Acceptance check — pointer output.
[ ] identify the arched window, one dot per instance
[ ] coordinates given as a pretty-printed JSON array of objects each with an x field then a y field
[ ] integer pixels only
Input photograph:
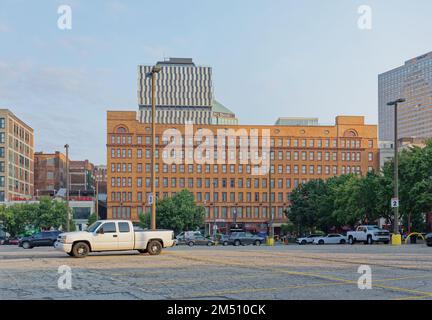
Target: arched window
[
  {"x": 121, "y": 129},
  {"x": 350, "y": 133}
]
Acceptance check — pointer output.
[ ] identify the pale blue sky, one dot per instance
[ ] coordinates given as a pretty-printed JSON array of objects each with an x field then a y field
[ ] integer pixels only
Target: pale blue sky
[{"x": 270, "y": 58}]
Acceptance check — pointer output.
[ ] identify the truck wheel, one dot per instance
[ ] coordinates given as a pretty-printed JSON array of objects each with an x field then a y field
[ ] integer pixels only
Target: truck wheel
[
  {"x": 142, "y": 251},
  {"x": 191, "y": 244},
  {"x": 225, "y": 243},
  {"x": 80, "y": 250},
  {"x": 369, "y": 240},
  {"x": 237, "y": 243},
  {"x": 154, "y": 248},
  {"x": 351, "y": 240}
]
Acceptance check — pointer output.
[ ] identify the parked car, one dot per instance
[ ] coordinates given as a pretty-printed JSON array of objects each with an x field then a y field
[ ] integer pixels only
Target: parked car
[
  {"x": 243, "y": 238},
  {"x": 199, "y": 241},
  {"x": 11, "y": 241},
  {"x": 114, "y": 235},
  {"x": 308, "y": 239},
  {"x": 429, "y": 239},
  {"x": 40, "y": 239},
  {"x": 332, "y": 238},
  {"x": 188, "y": 235},
  {"x": 368, "y": 234}
]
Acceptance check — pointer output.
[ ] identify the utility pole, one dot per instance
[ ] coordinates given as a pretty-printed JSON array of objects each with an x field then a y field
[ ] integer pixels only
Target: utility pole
[
  {"x": 67, "y": 187},
  {"x": 271, "y": 231},
  {"x": 396, "y": 171},
  {"x": 155, "y": 70},
  {"x": 97, "y": 198}
]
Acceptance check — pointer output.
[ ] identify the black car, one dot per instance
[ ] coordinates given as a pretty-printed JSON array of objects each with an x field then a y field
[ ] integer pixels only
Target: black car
[
  {"x": 243, "y": 238},
  {"x": 429, "y": 239},
  {"x": 41, "y": 239}
]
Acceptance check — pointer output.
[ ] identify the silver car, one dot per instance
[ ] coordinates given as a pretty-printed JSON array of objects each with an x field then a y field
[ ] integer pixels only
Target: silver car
[
  {"x": 308, "y": 239},
  {"x": 332, "y": 238}
]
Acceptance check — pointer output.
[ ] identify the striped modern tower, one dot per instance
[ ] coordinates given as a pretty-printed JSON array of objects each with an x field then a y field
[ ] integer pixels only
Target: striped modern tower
[{"x": 184, "y": 92}]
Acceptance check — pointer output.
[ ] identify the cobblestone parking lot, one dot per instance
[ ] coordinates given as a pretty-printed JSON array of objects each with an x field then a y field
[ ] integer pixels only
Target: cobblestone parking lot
[{"x": 280, "y": 272}]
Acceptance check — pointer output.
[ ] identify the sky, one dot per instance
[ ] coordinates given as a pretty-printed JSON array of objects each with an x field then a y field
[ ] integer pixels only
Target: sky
[{"x": 270, "y": 59}]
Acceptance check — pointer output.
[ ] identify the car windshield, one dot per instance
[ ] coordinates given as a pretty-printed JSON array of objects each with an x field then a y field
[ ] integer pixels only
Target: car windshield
[{"x": 93, "y": 226}]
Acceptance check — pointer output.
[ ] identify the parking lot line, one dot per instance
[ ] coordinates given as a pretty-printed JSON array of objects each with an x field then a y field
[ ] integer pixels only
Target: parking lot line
[{"x": 336, "y": 280}]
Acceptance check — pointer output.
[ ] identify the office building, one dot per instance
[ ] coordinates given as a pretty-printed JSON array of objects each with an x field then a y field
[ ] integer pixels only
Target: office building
[
  {"x": 413, "y": 82},
  {"x": 81, "y": 178},
  {"x": 16, "y": 158},
  {"x": 50, "y": 173},
  {"x": 296, "y": 121},
  {"x": 184, "y": 93},
  {"x": 231, "y": 191}
]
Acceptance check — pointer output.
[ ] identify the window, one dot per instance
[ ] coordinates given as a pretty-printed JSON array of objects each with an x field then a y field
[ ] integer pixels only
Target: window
[
  {"x": 123, "y": 227},
  {"x": 109, "y": 227}
]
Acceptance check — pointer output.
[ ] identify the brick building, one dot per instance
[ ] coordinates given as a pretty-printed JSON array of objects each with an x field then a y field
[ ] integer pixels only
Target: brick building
[
  {"x": 50, "y": 173},
  {"x": 231, "y": 191},
  {"x": 100, "y": 177},
  {"x": 81, "y": 177},
  {"x": 16, "y": 158}
]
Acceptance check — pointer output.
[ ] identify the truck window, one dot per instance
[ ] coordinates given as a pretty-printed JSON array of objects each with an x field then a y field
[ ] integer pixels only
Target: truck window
[
  {"x": 124, "y": 227},
  {"x": 109, "y": 227}
]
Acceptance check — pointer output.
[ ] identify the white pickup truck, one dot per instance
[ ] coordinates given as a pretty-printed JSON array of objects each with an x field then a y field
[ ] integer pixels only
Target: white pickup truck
[
  {"x": 368, "y": 235},
  {"x": 114, "y": 235}
]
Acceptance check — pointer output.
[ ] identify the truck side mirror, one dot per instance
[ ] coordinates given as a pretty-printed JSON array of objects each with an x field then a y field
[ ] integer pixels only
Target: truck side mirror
[{"x": 100, "y": 231}]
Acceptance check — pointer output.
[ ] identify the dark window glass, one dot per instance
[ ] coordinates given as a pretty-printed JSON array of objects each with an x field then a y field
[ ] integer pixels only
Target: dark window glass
[
  {"x": 124, "y": 227},
  {"x": 109, "y": 227}
]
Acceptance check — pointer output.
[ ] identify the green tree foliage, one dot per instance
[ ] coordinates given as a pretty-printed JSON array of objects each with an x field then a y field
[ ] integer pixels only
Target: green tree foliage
[
  {"x": 348, "y": 200},
  {"x": 179, "y": 213},
  {"x": 46, "y": 214},
  {"x": 92, "y": 219}
]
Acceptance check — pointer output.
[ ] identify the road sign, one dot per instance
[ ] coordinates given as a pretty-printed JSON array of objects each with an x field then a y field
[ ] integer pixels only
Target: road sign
[
  {"x": 150, "y": 198},
  {"x": 394, "y": 202}
]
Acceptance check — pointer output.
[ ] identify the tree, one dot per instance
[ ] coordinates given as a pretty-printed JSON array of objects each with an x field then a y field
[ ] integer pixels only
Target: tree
[
  {"x": 14, "y": 219},
  {"x": 92, "y": 219},
  {"x": 179, "y": 213},
  {"x": 49, "y": 214}
]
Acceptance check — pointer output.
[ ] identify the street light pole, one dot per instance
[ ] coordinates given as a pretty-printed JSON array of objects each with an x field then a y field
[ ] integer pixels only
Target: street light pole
[
  {"x": 67, "y": 187},
  {"x": 271, "y": 231},
  {"x": 155, "y": 70},
  {"x": 396, "y": 164}
]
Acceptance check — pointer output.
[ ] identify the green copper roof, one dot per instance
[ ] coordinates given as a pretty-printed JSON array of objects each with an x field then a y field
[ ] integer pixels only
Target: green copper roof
[{"x": 219, "y": 107}]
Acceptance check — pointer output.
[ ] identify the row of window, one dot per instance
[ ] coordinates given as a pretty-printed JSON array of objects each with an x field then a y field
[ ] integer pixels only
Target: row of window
[
  {"x": 191, "y": 183},
  {"x": 127, "y": 181},
  {"x": 241, "y": 155},
  {"x": 248, "y": 212},
  {"x": 231, "y": 141}
]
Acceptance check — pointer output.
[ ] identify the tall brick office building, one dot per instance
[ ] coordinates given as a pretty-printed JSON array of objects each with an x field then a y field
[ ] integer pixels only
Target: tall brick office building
[{"x": 231, "y": 191}]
